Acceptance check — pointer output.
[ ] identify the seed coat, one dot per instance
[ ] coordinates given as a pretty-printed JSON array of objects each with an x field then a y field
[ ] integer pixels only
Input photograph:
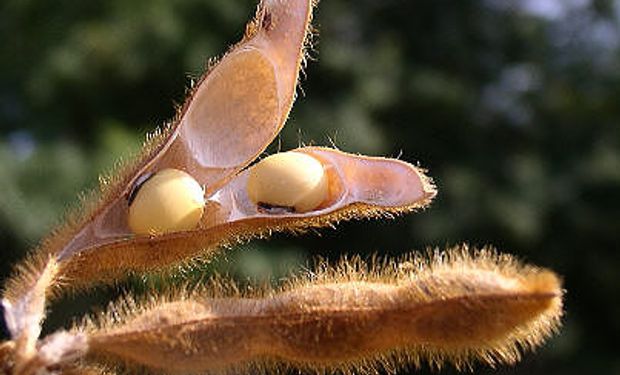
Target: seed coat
[
  {"x": 169, "y": 201},
  {"x": 288, "y": 179}
]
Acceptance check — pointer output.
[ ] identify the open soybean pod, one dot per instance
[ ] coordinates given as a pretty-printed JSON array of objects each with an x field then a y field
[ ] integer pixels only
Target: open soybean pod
[
  {"x": 188, "y": 193},
  {"x": 357, "y": 186}
]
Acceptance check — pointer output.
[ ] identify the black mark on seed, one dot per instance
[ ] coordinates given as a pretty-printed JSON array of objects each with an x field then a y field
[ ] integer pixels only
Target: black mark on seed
[
  {"x": 271, "y": 209},
  {"x": 136, "y": 187}
]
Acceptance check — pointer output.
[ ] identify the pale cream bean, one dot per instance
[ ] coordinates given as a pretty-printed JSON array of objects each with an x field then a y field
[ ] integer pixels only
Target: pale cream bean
[
  {"x": 171, "y": 200},
  {"x": 290, "y": 180}
]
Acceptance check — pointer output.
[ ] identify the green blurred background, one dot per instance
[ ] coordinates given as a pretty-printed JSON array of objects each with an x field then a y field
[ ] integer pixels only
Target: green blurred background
[{"x": 511, "y": 105}]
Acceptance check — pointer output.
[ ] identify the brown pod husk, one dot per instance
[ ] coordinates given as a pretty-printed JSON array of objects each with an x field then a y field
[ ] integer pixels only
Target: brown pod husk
[{"x": 456, "y": 308}]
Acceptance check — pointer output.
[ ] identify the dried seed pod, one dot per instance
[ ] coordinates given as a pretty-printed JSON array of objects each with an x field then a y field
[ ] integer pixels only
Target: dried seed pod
[
  {"x": 288, "y": 179},
  {"x": 458, "y": 307},
  {"x": 169, "y": 201}
]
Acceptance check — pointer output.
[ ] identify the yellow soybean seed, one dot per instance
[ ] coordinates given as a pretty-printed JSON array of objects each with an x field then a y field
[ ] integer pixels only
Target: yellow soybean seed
[
  {"x": 169, "y": 201},
  {"x": 290, "y": 180}
]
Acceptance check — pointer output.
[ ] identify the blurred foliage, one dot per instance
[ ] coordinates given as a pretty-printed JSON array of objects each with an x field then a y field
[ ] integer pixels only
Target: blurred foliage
[{"x": 512, "y": 105}]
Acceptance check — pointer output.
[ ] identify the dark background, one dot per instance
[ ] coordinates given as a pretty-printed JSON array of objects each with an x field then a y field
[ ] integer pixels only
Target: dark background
[{"x": 512, "y": 105}]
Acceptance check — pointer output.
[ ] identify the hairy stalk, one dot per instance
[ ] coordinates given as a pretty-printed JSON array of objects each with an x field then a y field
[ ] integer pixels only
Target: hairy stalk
[
  {"x": 24, "y": 308},
  {"x": 455, "y": 309}
]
